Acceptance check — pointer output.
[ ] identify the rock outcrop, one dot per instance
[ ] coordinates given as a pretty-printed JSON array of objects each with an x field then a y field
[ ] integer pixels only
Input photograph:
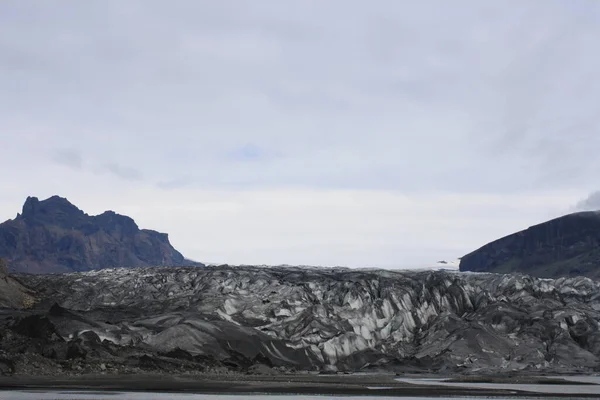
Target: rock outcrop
[
  {"x": 565, "y": 246},
  {"x": 53, "y": 235},
  {"x": 13, "y": 294},
  {"x": 315, "y": 319}
]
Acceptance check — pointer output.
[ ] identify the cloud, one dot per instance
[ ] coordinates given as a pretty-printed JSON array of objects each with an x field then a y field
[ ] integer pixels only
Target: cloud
[
  {"x": 248, "y": 152},
  {"x": 590, "y": 203},
  {"x": 74, "y": 160},
  {"x": 125, "y": 172},
  {"x": 69, "y": 158},
  {"x": 408, "y": 98},
  {"x": 177, "y": 183}
]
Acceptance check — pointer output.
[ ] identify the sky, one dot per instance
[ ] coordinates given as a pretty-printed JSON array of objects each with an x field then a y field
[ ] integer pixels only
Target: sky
[{"x": 386, "y": 133}]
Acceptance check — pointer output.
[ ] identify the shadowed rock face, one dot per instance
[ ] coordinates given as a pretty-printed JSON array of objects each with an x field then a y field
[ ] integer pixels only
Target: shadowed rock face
[
  {"x": 565, "y": 246},
  {"x": 334, "y": 319},
  {"x": 12, "y": 293},
  {"x": 55, "y": 236}
]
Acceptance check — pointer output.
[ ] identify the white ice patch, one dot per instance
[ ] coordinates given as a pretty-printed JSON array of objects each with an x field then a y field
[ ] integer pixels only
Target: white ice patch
[
  {"x": 230, "y": 306},
  {"x": 283, "y": 312},
  {"x": 226, "y": 317}
]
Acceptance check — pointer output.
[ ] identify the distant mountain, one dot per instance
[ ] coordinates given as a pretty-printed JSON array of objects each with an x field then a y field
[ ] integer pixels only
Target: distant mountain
[
  {"x": 565, "y": 246},
  {"x": 53, "y": 235}
]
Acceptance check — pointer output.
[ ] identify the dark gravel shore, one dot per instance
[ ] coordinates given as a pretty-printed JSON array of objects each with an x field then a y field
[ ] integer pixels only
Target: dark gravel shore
[{"x": 308, "y": 384}]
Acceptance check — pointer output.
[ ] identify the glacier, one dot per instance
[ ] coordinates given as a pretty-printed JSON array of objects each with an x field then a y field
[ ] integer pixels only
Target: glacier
[{"x": 323, "y": 319}]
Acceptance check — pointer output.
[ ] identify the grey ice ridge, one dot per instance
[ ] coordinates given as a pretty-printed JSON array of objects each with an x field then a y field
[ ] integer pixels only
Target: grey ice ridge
[{"x": 289, "y": 318}]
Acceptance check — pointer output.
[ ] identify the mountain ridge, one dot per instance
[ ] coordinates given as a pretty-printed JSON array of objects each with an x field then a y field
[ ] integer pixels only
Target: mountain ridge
[
  {"x": 53, "y": 235},
  {"x": 561, "y": 247}
]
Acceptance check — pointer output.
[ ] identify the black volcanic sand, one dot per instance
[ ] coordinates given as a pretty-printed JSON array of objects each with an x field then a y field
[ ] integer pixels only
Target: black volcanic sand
[{"x": 308, "y": 384}]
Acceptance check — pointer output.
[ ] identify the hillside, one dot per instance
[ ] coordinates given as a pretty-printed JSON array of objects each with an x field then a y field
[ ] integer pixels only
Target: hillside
[
  {"x": 53, "y": 235},
  {"x": 565, "y": 246}
]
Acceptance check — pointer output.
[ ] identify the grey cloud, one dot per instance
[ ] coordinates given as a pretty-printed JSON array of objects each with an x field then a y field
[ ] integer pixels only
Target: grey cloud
[
  {"x": 69, "y": 158},
  {"x": 176, "y": 183},
  {"x": 590, "y": 203},
  {"x": 125, "y": 172},
  {"x": 248, "y": 152},
  {"x": 475, "y": 96},
  {"x": 73, "y": 159},
  {"x": 412, "y": 97}
]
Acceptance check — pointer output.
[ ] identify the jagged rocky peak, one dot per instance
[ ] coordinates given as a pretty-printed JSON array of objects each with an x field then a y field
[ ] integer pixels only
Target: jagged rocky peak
[
  {"x": 53, "y": 235},
  {"x": 565, "y": 246},
  {"x": 55, "y": 209}
]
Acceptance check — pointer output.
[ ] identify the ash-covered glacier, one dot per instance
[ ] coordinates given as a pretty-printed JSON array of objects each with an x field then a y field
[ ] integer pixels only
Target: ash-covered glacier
[{"x": 318, "y": 319}]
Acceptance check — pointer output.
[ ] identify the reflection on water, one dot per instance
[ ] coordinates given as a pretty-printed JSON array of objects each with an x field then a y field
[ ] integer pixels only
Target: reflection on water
[
  {"x": 571, "y": 389},
  {"x": 94, "y": 395}
]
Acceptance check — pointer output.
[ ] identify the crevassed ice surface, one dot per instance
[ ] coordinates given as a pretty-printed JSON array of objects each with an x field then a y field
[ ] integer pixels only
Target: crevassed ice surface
[{"x": 315, "y": 318}]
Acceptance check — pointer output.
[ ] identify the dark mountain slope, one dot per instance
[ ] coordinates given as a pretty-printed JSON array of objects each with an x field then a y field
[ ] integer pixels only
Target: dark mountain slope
[
  {"x": 55, "y": 236},
  {"x": 565, "y": 246}
]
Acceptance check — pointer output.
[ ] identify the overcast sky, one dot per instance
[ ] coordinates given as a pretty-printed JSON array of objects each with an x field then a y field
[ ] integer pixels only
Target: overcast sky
[{"x": 330, "y": 132}]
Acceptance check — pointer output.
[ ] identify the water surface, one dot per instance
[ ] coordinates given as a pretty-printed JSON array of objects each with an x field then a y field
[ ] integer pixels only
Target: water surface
[
  {"x": 97, "y": 395},
  {"x": 568, "y": 388}
]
